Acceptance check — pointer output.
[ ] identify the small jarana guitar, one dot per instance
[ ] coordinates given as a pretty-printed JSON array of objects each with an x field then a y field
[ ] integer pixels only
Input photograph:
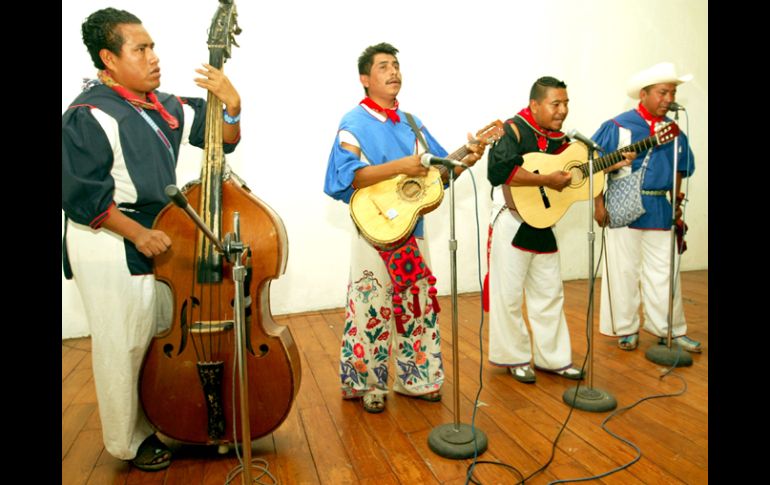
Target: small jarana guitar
[
  {"x": 387, "y": 211},
  {"x": 541, "y": 206}
]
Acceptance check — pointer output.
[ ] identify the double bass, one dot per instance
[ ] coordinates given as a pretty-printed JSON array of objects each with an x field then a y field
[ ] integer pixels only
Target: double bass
[{"x": 186, "y": 385}]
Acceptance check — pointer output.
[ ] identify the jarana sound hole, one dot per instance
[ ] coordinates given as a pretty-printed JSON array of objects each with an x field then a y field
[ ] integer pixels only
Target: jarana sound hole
[{"x": 411, "y": 189}]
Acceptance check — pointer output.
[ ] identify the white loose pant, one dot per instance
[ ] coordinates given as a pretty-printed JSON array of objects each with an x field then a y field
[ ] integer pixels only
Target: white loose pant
[
  {"x": 122, "y": 313},
  {"x": 512, "y": 273},
  {"x": 635, "y": 270}
]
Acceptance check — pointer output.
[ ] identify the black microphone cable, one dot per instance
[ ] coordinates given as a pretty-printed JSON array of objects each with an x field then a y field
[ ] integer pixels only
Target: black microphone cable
[
  {"x": 472, "y": 466},
  {"x": 469, "y": 475}
]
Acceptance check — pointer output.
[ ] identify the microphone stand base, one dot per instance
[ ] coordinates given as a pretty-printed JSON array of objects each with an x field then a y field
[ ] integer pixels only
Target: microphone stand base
[
  {"x": 675, "y": 356},
  {"x": 457, "y": 443},
  {"x": 590, "y": 399}
]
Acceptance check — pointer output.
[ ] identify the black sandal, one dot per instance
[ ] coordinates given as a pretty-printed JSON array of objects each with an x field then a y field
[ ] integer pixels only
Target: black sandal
[{"x": 153, "y": 455}]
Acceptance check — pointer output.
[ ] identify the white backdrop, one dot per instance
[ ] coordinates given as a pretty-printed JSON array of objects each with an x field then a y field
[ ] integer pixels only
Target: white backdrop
[{"x": 464, "y": 64}]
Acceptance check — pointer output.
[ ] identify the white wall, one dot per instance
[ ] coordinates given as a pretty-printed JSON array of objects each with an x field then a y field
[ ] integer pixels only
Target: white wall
[{"x": 464, "y": 64}]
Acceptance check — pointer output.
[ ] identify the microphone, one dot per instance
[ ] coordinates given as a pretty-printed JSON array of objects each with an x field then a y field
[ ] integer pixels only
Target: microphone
[
  {"x": 427, "y": 160},
  {"x": 580, "y": 137},
  {"x": 674, "y": 106},
  {"x": 176, "y": 196}
]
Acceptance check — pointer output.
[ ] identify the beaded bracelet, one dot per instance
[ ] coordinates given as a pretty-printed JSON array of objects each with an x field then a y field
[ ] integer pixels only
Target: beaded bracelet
[{"x": 231, "y": 120}]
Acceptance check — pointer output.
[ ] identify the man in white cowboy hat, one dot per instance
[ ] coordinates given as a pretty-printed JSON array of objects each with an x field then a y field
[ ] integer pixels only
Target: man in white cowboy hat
[{"x": 639, "y": 255}]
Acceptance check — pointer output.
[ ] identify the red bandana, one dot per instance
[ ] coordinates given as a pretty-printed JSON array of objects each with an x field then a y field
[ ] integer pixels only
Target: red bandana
[
  {"x": 647, "y": 116},
  {"x": 153, "y": 104},
  {"x": 542, "y": 134},
  {"x": 390, "y": 113}
]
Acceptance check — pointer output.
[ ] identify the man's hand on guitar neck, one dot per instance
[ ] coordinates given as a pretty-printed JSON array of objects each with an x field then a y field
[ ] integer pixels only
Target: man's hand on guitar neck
[
  {"x": 628, "y": 158},
  {"x": 476, "y": 150}
]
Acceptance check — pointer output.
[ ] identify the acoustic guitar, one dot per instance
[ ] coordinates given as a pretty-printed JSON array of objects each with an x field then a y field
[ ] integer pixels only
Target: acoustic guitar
[
  {"x": 386, "y": 212},
  {"x": 541, "y": 206}
]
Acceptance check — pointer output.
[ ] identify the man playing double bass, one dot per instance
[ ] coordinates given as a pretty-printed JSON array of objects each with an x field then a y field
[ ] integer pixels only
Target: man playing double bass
[{"x": 120, "y": 145}]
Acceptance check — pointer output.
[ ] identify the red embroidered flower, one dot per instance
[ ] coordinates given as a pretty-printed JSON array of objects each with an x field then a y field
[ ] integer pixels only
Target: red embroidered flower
[
  {"x": 417, "y": 331},
  {"x": 353, "y": 331},
  {"x": 416, "y": 345},
  {"x": 373, "y": 322},
  {"x": 384, "y": 335},
  {"x": 360, "y": 366},
  {"x": 419, "y": 358},
  {"x": 385, "y": 313},
  {"x": 358, "y": 349}
]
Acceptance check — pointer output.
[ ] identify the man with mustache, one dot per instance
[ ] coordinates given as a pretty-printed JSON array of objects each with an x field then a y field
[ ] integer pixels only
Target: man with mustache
[
  {"x": 638, "y": 257},
  {"x": 120, "y": 143},
  {"x": 523, "y": 258},
  {"x": 376, "y": 142}
]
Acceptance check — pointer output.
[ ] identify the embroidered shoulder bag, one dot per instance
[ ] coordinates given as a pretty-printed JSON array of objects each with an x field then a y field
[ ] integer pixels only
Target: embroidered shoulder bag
[{"x": 623, "y": 199}]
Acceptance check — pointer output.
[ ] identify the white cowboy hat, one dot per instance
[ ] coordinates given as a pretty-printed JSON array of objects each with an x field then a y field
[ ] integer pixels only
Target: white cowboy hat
[{"x": 664, "y": 72}]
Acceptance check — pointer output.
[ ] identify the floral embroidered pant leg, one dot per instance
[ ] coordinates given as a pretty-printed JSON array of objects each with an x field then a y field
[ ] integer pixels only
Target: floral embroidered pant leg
[{"x": 370, "y": 332}]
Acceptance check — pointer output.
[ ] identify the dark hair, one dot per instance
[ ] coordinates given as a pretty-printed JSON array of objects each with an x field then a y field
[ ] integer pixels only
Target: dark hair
[
  {"x": 367, "y": 56},
  {"x": 541, "y": 86},
  {"x": 100, "y": 32}
]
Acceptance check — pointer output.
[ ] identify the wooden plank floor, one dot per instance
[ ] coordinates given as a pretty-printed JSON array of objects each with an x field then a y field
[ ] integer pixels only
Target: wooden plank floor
[{"x": 326, "y": 440}]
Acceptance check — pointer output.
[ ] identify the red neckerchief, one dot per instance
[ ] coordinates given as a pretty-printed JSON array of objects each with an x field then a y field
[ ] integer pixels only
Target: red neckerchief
[
  {"x": 647, "y": 116},
  {"x": 390, "y": 113},
  {"x": 153, "y": 103},
  {"x": 542, "y": 134}
]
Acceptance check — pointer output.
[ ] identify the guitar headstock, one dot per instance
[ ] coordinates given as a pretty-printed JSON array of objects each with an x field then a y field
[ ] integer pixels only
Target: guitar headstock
[
  {"x": 490, "y": 133},
  {"x": 224, "y": 28},
  {"x": 667, "y": 133}
]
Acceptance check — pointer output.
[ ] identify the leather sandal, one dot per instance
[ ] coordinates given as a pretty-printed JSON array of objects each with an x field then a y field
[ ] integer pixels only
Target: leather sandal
[
  {"x": 523, "y": 373},
  {"x": 685, "y": 342},
  {"x": 629, "y": 342},
  {"x": 570, "y": 372},
  {"x": 153, "y": 455},
  {"x": 374, "y": 402}
]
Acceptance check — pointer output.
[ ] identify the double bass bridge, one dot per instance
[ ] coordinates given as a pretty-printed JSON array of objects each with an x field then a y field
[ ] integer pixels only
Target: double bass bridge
[{"x": 213, "y": 326}]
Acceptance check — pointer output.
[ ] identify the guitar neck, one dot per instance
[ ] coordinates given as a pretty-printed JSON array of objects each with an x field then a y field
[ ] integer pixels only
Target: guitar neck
[
  {"x": 461, "y": 152},
  {"x": 616, "y": 156}
]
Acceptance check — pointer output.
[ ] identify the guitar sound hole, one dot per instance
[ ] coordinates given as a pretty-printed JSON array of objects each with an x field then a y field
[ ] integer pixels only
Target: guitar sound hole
[
  {"x": 577, "y": 176},
  {"x": 411, "y": 189}
]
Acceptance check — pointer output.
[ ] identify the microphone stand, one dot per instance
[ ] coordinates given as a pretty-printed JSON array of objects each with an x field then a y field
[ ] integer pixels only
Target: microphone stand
[
  {"x": 663, "y": 354},
  {"x": 455, "y": 440},
  {"x": 589, "y": 398},
  {"x": 232, "y": 247}
]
